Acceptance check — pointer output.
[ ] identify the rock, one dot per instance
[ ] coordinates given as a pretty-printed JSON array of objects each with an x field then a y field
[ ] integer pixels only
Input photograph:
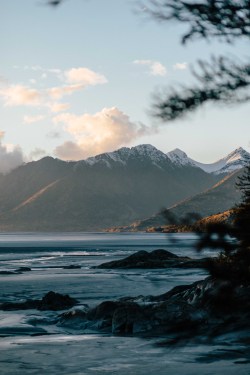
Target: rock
[
  {"x": 103, "y": 311},
  {"x": 75, "y": 319},
  {"x": 56, "y": 301},
  {"x": 7, "y": 273},
  {"x": 72, "y": 267},
  {"x": 51, "y": 301},
  {"x": 155, "y": 259},
  {"x": 26, "y": 305},
  {"x": 129, "y": 318},
  {"x": 204, "y": 307}
]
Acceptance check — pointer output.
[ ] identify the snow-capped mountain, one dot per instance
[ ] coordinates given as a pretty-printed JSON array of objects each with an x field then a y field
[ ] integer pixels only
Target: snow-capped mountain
[
  {"x": 110, "y": 189},
  {"x": 179, "y": 157},
  {"x": 125, "y": 155},
  {"x": 235, "y": 160}
]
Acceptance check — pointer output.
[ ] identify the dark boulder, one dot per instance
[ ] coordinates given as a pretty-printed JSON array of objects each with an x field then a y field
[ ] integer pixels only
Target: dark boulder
[
  {"x": 7, "y": 273},
  {"x": 75, "y": 319},
  {"x": 56, "y": 301},
  {"x": 26, "y": 305},
  {"x": 51, "y": 301}
]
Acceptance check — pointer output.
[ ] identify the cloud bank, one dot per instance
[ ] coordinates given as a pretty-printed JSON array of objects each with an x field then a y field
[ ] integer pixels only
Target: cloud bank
[
  {"x": 72, "y": 80},
  {"x": 94, "y": 134}
]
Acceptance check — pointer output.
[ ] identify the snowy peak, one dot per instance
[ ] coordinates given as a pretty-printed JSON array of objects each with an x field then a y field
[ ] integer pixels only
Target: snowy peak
[
  {"x": 237, "y": 155},
  {"x": 145, "y": 152},
  {"x": 179, "y": 157},
  {"x": 150, "y": 152},
  {"x": 235, "y": 160}
]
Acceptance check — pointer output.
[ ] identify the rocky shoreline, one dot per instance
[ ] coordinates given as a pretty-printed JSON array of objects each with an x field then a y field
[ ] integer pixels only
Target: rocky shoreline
[{"x": 206, "y": 308}]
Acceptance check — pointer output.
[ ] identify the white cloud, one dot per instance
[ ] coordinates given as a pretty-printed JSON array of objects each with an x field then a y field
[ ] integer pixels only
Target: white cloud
[
  {"x": 93, "y": 134},
  {"x": 11, "y": 156},
  {"x": 15, "y": 95},
  {"x": 180, "y": 66},
  {"x": 58, "y": 107},
  {"x": 84, "y": 76},
  {"x": 31, "y": 119},
  {"x": 60, "y": 91},
  {"x": 156, "y": 68},
  {"x": 77, "y": 79}
]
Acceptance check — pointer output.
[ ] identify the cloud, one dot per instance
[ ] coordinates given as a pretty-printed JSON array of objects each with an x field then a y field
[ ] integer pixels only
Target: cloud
[
  {"x": 70, "y": 151},
  {"x": 15, "y": 95},
  {"x": 58, "y": 107},
  {"x": 94, "y": 134},
  {"x": 156, "y": 68},
  {"x": 84, "y": 76},
  {"x": 10, "y": 156},
  {"x": 31, "y": 119},
  {"x": 180, "y": 66},
  {"x": 37, "y": 153},
  {"x": 60, "y": 91},
  {"x": 75, "y": 79}
]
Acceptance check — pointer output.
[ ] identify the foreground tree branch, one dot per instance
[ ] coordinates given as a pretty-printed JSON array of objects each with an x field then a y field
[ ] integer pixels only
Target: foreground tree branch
[
  {"x": 218, "y": 81},
  {"x": 226, "y": 19}
]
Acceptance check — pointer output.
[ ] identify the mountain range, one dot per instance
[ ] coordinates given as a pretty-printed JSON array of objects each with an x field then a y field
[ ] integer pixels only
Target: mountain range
[
  {"x": 111, "y": 189},
  {"x": 233, "y": 161}
]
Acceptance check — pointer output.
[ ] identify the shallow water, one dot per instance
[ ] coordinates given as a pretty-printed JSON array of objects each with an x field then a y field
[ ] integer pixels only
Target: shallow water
[{"x": 31, "y": 344}]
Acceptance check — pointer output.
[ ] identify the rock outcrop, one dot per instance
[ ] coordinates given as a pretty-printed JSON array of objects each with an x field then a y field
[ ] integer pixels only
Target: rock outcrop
[
  {"x": 51, "y": 301},
  {"x": 209, "y": 306},
  {"x": 155, "y": 259}
]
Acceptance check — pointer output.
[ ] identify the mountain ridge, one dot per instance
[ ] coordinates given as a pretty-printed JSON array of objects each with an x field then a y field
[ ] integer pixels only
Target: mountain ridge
[
  {"x": 234, "y": 160},
  {"x": 92, "y": 195},
  {"x": 107, "y": 190},
  {"x": 216, "y": 200}
]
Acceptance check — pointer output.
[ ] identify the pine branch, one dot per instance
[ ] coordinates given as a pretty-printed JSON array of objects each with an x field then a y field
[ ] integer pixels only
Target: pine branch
[
  {"x": 224, "y": 19},
  {"x": 218, "y": 81}
]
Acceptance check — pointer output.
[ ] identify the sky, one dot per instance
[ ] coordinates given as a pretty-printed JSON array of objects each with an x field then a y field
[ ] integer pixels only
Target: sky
[{"x": 78, "y": 79}]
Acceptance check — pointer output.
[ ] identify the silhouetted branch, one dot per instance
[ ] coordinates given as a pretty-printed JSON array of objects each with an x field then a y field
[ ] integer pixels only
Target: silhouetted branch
[
  {"x": 224, "y": 19},
  {"x": 220, "y": 80}
]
